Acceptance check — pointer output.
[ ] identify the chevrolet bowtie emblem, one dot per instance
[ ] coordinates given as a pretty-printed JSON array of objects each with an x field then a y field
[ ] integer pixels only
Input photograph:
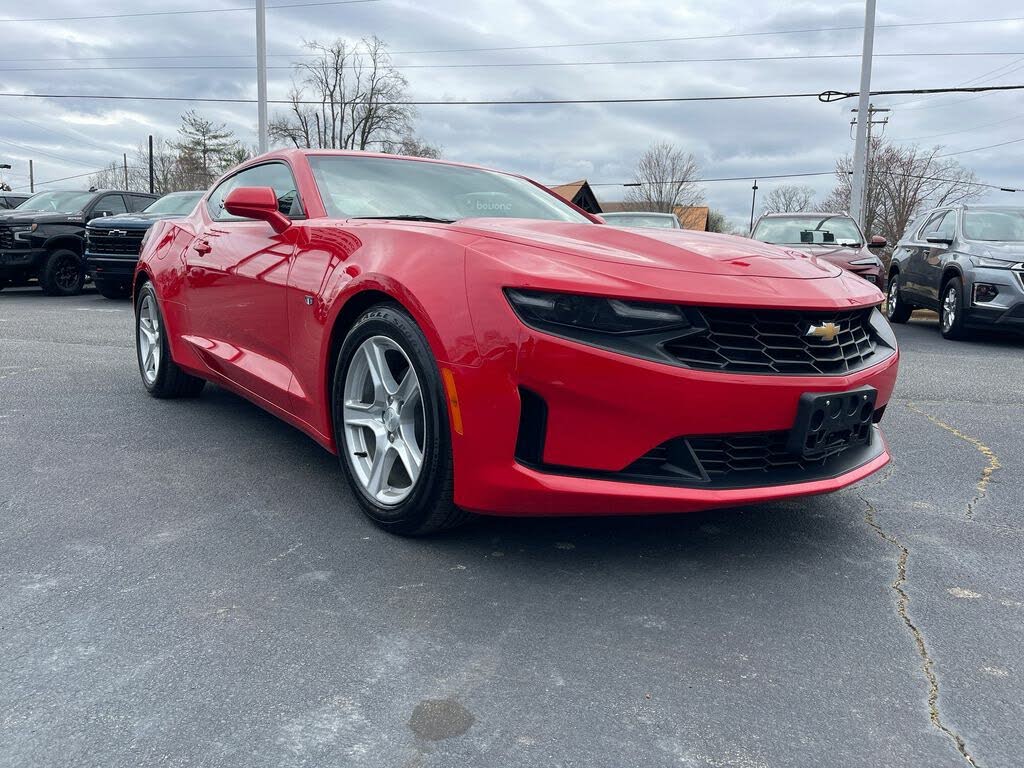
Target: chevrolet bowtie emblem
[{"x": 826, "y": 331}]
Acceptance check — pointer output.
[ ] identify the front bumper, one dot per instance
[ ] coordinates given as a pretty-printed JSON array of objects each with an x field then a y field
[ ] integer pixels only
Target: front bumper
[
  {"x": 1006, "y": 311},
  {"x": 604, "y": 411},
  {"x": 18, "y": 263},
  {"x": 111, "y": 268}
]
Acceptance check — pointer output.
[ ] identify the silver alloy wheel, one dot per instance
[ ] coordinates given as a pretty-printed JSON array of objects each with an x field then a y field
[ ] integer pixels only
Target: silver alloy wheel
[
  {"x": 949, "y": 302},
  {"x": 149, "y": 338},
  {"x": 894, "y": 296},
  {"x": 385, "y": 428}
]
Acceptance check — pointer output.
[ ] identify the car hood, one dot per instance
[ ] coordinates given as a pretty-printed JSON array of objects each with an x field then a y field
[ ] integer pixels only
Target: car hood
[
  {"x": 678, "y": 250},
  {"x": 837, "y": 254},
  {"x": 129, "y": 220},
  {"x": 1010, "y": 252},
  {"x": 27, "y": 217}
]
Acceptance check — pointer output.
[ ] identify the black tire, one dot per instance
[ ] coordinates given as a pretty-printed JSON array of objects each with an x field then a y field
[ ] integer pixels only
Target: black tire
[
  {"x": 169, "y": 380},
  {"x": 63, "y": 273},
  {"x": 896, "y": 309},
  {"x": 951, "y": 318},
  {"x": 429, "y": 506},
  {"x": 111, "y": 289}
]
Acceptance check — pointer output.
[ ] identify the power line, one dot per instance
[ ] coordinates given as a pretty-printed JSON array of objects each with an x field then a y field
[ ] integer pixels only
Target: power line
[
  {"x": 535, "y": 64},
  {"x": 979, "y": 149},
  {"x": 1015, "y": 118},
  {"x": 37, "y": 151},
  {"x": 57, "y": 133},
  {"x": 190, "y": 12},
  {"x": 824, "y": 96}
]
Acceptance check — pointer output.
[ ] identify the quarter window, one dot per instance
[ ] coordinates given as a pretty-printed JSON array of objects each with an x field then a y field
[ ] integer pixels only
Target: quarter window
[
  {"x": 111, "y": 204},
  {"x": 277, "y": 176}
]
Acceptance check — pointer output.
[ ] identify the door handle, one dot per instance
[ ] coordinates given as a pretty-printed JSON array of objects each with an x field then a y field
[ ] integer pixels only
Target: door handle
[{"x": 202, "y": 247}]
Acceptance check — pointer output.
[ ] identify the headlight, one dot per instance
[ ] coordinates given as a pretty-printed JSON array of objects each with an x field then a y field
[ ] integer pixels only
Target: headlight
[
  {"x": 981, "y": 261},
  {"x": 867, "y": 261},
  {"x": 22, "y": 232},
  {"x": 567, "y": 312}
]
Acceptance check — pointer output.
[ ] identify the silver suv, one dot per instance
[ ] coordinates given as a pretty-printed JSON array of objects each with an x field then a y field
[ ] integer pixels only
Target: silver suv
[{"x": 967, "y": 263}]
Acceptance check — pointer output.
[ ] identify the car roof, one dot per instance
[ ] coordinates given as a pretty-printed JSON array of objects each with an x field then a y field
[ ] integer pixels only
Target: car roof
[
  {"x": 638, "y": 213},
  {"x": 807, "y": 215}
]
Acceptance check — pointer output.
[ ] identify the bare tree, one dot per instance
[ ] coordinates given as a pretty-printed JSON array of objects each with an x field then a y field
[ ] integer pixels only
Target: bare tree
[
  {"x": 717, "y": 222},
  {"x": 789, "y": 198},
  {"x": 666, "y": 177},
  {"x": 903, "y": 181},
  {"x": 349, "y": 97},
  {"x": 412, "y": 146}
]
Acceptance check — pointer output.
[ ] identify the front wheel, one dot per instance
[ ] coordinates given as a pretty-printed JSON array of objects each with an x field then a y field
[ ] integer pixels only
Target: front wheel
[
  {"x": 896, "y": 309},
  {"x": 951, "y": 310},
  {"x": 62, "y": 273},
  {"x": 161, "y": 376},
  {"x": 391, "y": 425}
]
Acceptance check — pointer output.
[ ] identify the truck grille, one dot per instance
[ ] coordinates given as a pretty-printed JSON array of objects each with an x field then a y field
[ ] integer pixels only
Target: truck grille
[
  {"x": 777, "y": 342},
  {"x": 6, "y": 237},
  {"x": 103, "y": 242}
]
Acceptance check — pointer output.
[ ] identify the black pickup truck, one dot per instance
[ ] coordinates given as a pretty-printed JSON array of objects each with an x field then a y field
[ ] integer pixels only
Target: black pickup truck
[
  {"x": 44, "y": 238},
  {"x": 112, "y": 243}
]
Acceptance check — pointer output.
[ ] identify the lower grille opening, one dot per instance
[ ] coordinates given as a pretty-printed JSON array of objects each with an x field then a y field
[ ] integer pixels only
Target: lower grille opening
[{"x": 533, "y": 424}]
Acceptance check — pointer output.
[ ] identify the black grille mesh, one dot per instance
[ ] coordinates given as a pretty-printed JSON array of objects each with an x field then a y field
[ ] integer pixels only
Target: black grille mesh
[
  {"x": 776, "y": 341},
  {"x": 128, "y": 244},
  {"x": 6, "y": 237},
  {"x": 761, "y": 452}
]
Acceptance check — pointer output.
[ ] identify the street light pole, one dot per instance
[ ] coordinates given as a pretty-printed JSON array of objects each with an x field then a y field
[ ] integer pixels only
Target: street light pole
[
  {"x": 261, "y": 72},
  {"x": 860, "y": 155}
]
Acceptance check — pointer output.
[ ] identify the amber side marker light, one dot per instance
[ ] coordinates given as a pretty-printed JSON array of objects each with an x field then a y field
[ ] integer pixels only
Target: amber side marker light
[{"x": 453, "y": 398}]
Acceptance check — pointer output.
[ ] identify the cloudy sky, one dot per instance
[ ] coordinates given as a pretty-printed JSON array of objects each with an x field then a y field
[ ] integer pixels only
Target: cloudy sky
[{"x": 212, "y": 55}]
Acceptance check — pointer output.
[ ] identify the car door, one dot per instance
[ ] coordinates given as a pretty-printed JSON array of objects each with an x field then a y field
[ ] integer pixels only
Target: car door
[
  {"x": 941, "y": 226},
  {"x": 236, "y": 273}
]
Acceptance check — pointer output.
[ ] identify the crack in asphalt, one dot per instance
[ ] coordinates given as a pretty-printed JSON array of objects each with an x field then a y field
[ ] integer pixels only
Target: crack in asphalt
[
  {"x": 984, "y": 450},
  {"x": 927, "y": 663}
]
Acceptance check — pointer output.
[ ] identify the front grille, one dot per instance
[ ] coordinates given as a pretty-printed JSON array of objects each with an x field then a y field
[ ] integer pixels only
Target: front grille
[
  {"x": 754, "y": 453},
  {"x": 6, "y": 237},
  {"x": 101, "y": 242},
  {"x": 777, "y": 342}
]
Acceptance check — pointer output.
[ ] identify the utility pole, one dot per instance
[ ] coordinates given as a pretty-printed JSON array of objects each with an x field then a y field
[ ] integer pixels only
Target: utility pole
[
  {"x": 150, "y": 163},
  {"x": 860, "y": 148},
  {"x": 31, "y": 178},
  {"x": 872, "y": 111},
  {"x": 753, "y": 202},
  {"x": 125, "y": 158},
  {"x": 261, "y": 72}
]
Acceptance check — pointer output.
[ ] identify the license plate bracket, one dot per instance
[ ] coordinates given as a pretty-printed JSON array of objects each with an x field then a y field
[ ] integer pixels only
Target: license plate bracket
[{"x": 830, "y": 422}]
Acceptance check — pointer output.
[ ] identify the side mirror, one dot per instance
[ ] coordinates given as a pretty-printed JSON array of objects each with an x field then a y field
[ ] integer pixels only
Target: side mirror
[
  {"x": 258, "y": 203},
  {"x": 102, "y": 214},
  {"x": 935, "y": 237},
  {"x": 877, "y": 241}
]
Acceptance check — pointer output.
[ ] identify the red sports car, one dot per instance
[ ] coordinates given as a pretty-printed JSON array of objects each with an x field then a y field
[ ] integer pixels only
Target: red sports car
[{"x": 466, "y": 341}]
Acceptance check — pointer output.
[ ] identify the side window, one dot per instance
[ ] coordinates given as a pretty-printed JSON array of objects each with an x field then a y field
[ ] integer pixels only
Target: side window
[
  {"x": 942, "y": 223},
  {"x": 138, "y": 202},
  {"x": 111, "y": 204},
  {"x": 277, "y": 176}
]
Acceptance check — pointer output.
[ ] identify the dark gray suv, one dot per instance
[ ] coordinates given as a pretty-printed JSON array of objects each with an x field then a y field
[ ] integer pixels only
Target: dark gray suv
[{"x": 967, "y": 263}]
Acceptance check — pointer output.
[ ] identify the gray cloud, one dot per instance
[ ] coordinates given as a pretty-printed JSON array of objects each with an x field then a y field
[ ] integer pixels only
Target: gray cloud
[{"x": 552, "y": 144}]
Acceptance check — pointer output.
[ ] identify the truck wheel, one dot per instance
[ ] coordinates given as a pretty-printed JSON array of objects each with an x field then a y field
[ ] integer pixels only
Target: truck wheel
[
  {"x": 896, "y": 309},
  {"x": 951, "y": 312},
  {"x": 62, "y": 273},
  {"x": 112, "y": 289}
]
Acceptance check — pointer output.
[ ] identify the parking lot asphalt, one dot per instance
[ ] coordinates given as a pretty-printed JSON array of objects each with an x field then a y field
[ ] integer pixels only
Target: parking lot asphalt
[{"x": 189, "y": 583}]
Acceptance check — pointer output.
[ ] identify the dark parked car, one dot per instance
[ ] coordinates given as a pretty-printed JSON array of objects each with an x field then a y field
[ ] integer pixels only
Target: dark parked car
[
  {"x": 112, "y": 243},
  {"x": 966, "y": 263},
  {"x": 642, "y": 219},
  {"x": 11, "y": 200},
  {"x": 834, "y": 237},
  {"x": 44, "y": 238}
]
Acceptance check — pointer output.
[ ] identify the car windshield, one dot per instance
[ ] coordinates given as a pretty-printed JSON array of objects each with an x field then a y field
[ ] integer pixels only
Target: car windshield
[
  {"x": 354, "y": 187},
  {"x": 57, "y": 202},
  {"x": 995, "y": 225},
  {"x": 808, "y": 230},
  {"x": 176, "y": 203},
  {"x": 641, "y": 220}
]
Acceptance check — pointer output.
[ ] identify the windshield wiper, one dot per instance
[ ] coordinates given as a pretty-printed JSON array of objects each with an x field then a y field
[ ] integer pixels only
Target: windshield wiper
[{"x": 410, "y": 217}]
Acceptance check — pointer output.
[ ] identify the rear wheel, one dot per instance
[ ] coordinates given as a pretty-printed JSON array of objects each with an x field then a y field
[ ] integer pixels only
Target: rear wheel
[
  {"x": 896, "y": 309},
  {"x": 62, "y": 273},
  {"x": 391, "y": 425},
  {"x": 951, "y": 310},
  {"x": 161, "y": 376},
  {"x": 112, "y": 289}
]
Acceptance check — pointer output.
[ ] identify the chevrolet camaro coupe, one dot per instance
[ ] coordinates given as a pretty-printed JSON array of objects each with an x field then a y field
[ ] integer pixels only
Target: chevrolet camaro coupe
[{"x": 466, "y": 341}]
